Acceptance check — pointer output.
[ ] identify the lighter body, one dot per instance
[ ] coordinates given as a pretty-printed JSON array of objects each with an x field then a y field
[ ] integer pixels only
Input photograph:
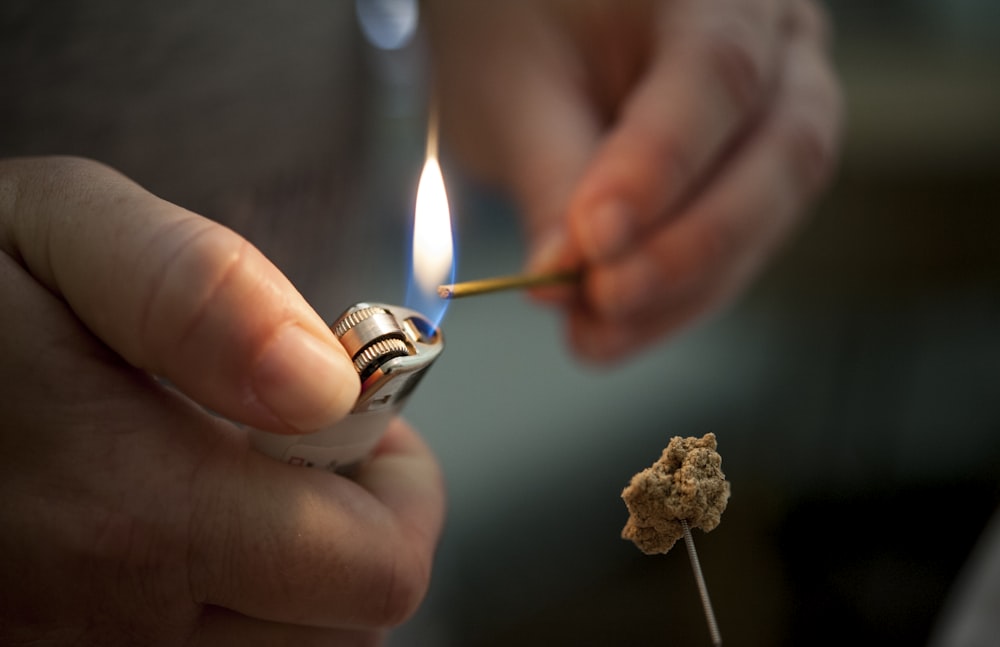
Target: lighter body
[{"x": 391, "y": 347}]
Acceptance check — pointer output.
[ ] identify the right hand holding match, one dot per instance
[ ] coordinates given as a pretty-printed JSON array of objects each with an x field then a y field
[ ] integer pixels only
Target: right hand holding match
[
  {"x": 131, "y": 515},
  {"x": 665, "y": 147}
]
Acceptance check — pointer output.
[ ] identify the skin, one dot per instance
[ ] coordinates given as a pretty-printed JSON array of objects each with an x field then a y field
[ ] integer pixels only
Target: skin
[
  {"x": 140, "y": 517},
  {"x": 665, "y": 150}
]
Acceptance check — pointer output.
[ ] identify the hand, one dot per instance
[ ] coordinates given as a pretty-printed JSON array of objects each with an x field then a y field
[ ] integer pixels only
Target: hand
[
  {"x": 130, "y": 514},
  {"x": 665, "y": 148}
]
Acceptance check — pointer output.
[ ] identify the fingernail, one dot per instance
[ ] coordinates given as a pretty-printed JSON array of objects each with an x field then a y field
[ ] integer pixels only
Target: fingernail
[
  {"x": 304, "y": 381},
  {"x": 608, "y": 231}
]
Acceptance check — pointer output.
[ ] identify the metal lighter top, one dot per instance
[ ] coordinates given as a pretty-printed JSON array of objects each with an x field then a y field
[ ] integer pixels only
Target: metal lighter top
[{"x": 391, "y": 347}]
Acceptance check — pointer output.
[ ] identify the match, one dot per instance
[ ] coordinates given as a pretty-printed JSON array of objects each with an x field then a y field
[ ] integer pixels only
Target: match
[{"x": 501, "y": 283}]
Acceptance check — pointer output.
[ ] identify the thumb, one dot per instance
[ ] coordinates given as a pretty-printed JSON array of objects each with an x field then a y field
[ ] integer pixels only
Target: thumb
[{"x": 175, "y": 294}]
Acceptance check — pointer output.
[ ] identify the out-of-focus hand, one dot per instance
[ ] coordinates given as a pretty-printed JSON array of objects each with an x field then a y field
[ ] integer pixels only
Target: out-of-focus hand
[
  {"x": 130, "y": 515},
  {"x": 665, "y": 147}
]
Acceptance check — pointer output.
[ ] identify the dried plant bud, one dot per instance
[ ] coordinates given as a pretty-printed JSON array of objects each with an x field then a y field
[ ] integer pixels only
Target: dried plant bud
[{"x": 685, "y": 483}]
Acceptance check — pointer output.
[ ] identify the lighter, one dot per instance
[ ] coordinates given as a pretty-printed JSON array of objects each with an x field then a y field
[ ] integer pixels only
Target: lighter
[{"x": 391, "y": 347}]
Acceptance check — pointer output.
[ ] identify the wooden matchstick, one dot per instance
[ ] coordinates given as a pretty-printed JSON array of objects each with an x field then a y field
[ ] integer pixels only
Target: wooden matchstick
[{"x": 497, "y": 284}]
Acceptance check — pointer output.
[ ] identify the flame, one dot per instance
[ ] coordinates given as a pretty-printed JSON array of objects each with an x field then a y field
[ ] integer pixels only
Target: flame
[{"x": 433, "y": 243}]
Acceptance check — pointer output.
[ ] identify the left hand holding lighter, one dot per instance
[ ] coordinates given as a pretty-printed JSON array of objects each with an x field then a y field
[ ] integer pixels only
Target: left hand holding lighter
[{"x": 131, "y": 514}]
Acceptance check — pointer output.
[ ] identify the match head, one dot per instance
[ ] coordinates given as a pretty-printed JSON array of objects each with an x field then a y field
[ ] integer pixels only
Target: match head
[{"x": 445, "y": 291}]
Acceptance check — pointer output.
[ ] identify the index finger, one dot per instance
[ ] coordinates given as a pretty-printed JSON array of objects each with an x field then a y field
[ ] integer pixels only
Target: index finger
[{"x": 712, "y": 67}]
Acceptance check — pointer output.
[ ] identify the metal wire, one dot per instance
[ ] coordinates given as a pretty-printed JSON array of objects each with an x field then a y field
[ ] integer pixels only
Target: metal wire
[{"x": 706, "y": 603}]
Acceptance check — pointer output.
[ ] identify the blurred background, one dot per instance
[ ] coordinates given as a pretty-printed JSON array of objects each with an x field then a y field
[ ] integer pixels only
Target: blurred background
[
  {"x": 854, "y": 390},
  {"x": 855, "y": 393}
]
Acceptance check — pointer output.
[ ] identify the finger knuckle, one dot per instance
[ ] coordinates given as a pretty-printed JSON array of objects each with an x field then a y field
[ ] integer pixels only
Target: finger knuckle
[
  {"x": 214, "y": 538},
  {"x": 809, "y": 150},
  {"x": 737, "y": 63},
  {"x": 812, "y": 19},
  {"x": 199, "y": 263},
  {"x": 404, "y": 589},
  {"x": 33, "y": 186},
  {"x": 72, "y": 170},
  {"x": 693, "y": 254},
  {"x": 810, "y": 131},
  {"x": 673, "y": 159},
  {"x": 738, "y": 50}
]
